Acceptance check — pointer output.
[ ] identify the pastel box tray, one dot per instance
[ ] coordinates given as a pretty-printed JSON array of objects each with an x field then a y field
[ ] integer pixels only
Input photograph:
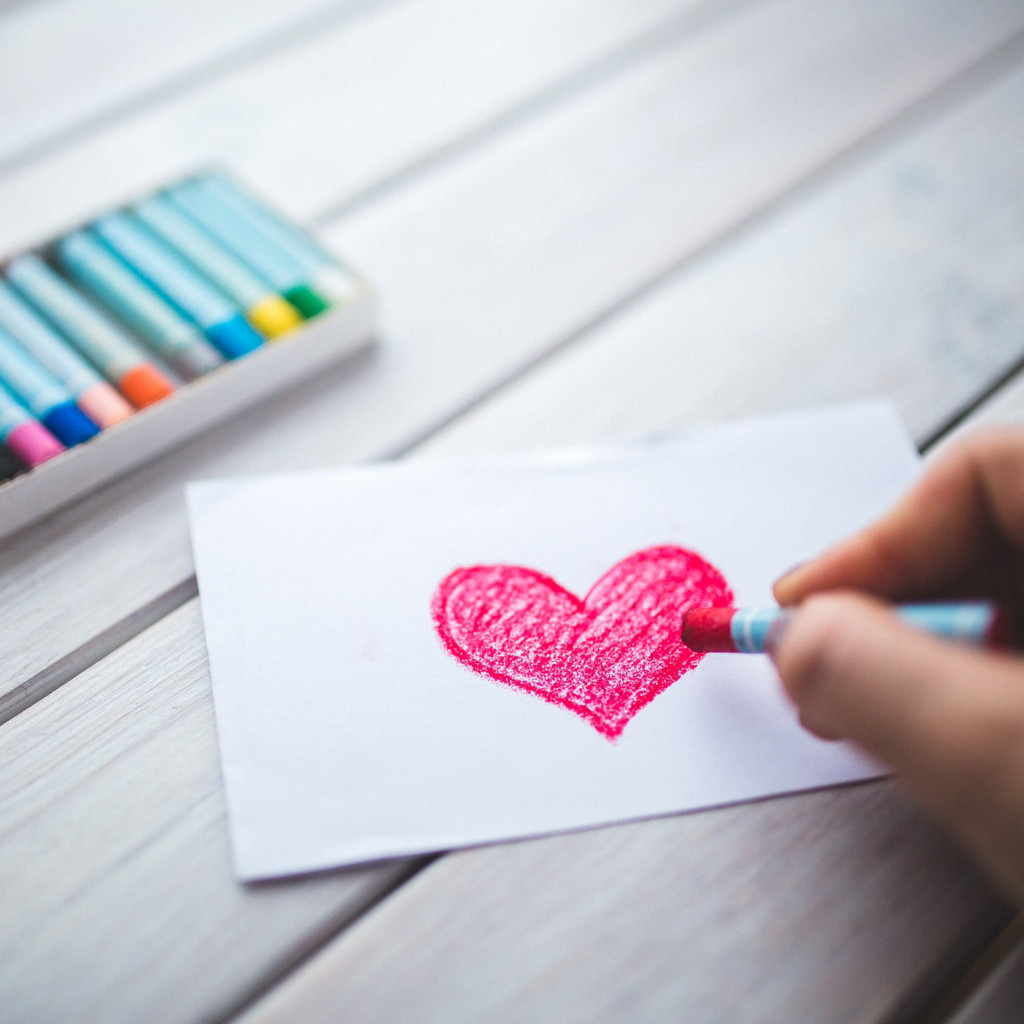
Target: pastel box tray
[{"x": 339, "y": 333}]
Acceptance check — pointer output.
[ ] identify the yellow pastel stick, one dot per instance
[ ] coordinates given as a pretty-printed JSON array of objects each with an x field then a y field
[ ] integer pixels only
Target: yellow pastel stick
[{"x": 273, "y": 316}]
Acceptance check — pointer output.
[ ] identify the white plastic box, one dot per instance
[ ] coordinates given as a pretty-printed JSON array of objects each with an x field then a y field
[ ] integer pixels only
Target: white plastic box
[{"x": 337, "y": 334}]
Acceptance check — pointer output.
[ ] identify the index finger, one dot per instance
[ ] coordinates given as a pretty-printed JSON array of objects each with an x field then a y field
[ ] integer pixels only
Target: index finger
[{"x": 965, "y": 513}]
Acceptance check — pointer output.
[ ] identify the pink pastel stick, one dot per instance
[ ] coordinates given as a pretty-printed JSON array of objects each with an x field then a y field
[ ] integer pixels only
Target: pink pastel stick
[{"x": 33, "y": 443}]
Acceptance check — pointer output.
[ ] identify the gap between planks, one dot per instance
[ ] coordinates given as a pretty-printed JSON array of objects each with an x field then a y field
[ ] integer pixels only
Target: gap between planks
[
  {"x": 407, "y": 871},
  {"x": 75, "y": 662},
  {"x": 685, "y": 25},
  {"x": 998, "y": 387},
  {"x": 951, "y": 1004},
  {"x": 190, "y": 79},
  {"x": 971, "y": 80},
  {"x": 669, "y": 29}
]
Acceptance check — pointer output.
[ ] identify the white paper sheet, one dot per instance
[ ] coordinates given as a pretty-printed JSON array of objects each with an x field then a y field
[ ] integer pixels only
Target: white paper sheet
[{"x": 348, "y": 733}]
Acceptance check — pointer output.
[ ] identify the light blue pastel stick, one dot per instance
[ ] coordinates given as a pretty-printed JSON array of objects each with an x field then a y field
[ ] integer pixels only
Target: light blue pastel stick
[
  {"x": 276, "y": 265},
  {"x": 328, "y": 275},
  {"x": 94, "y": 395},
  {"x": 104, "y": 344},
  {"x": 101, "y": 274},
  {"x": 166, "y": 271},
  {"x": 43, "y": 342},
  {"x": 37, "y": 389},
  {"x": 971, "y": 622},
  {"x": 975, "y": 622},
  {"x": 42, "y": 394},
  {"x": 12, "y": 413},
  {"x": 184, "y": 287},
  {"x": 750, "y": 628},
  {"x": 162, "y": 217}
]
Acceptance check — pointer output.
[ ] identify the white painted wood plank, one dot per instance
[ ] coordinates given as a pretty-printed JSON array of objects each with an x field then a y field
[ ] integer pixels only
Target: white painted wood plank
[
  {"x": 333, "y": 114},
  {"x": 828, "y": 908},
  {"x": 65, "y": 62},
  {"x": 905, "y": 278},
  {"x": 118, "y": 901},
  {"x": 488, "y": 265},
  {"x": 1000, "y": 999}
]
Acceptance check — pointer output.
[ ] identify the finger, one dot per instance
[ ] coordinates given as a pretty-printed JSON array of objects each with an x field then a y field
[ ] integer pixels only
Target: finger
[
  {"x": 949, "y": 719},
  {"x": 967, "y": 510}
]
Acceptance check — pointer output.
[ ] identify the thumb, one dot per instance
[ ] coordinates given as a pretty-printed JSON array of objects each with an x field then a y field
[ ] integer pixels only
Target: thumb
[{"x": 949, "y": 718}]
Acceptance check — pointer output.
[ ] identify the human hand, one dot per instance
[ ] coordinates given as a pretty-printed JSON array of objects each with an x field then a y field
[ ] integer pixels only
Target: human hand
[{"x": 949, "y": 719}]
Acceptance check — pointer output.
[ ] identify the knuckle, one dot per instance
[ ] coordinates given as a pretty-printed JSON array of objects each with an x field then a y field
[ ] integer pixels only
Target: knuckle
[{"x": 814, "y": 649}]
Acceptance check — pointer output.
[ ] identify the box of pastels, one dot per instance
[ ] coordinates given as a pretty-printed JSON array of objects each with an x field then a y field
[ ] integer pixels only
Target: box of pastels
[{"x": 146, "y": 325}]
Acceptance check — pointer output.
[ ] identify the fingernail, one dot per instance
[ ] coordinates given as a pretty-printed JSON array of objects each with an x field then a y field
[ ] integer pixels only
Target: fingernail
[
  {"x": 792, "y": 569},
  {"x": 787, "y": 575}
]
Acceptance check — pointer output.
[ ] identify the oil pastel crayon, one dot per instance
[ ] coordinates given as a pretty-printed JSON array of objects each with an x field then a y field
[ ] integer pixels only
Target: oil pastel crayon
[
  {"x": 271, "y": 314},
  {"x": 285, "y": 274},
  {"x": 92, "y": 394},
  {"x": 328, "y": 276},
  {"x": 96, "y": 337},
  {"x": 43, "y": 395},
  {"x": 187, "y": 290},
  {"x": 98, "y": 272},
  {"x": 10, "y": 465},
  {"x": 23, "y": 434},
  {"x": 753, "y": 630}
]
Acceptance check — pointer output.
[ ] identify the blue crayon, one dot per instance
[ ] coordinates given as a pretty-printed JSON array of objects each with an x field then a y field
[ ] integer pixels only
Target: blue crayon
[
  {"x": 100, "y": 273},
  {"x": 188, "y": 291},
  {"x": 753, "y": 630},
  {"x": 287, "y": 275},
  {"x": 43, "y": 395},
  {"x": 326, "y": 273}
]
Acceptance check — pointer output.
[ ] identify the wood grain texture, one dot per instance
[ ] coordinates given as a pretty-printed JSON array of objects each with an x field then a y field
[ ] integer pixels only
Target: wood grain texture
[
  {"x": 833, "y": 907},
  {"x": 334, "y": 113},
  {"x": 118, "y": 900},
  {"x": 488, "y": 264},
  {"x": 68, "y": 64}
]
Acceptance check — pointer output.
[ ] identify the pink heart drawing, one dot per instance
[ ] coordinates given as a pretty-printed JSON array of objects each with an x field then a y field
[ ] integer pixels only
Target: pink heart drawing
[{"x": 604, "y": 657}]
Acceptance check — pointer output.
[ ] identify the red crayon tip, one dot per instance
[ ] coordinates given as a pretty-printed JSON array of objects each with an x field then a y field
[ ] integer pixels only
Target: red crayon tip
[{"x": 708, "y": 629}]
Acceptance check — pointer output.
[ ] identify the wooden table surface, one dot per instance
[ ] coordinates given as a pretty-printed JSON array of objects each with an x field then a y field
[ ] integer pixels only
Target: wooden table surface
[{"x": 588, "y": 220}]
